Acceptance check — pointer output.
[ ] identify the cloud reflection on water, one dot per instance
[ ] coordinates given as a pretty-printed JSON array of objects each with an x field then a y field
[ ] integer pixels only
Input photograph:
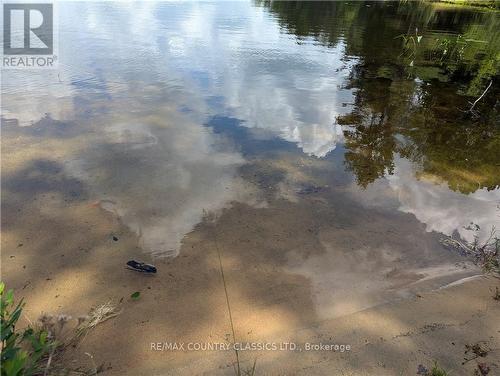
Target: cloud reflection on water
[
  {"x": 128, "y": 68},
  {"x": 441, "y": 209},
  {"x": 159, "y": 174}
]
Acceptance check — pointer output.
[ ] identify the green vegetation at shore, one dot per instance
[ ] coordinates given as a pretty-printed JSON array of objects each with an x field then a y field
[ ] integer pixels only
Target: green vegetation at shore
[
  {"x": 37, "y": 349},
  {"x": 24, "y": 352}
]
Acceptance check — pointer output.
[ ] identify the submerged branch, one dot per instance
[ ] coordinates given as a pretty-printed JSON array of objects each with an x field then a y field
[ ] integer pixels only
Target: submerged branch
[{"x": 482, "y": 95}]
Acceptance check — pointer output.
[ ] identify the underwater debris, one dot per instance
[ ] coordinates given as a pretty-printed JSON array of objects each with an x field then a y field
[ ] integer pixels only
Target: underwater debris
[{"x": 141, "y": 267}]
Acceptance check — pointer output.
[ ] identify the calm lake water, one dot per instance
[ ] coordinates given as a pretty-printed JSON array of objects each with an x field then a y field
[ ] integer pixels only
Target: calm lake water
[{"x": 340, "y": 127}]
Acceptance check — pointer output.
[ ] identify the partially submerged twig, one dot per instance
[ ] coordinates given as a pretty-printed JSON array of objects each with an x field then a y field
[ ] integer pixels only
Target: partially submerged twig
[
  {"x": 481, "y": 96},
  {"x": 485, "y": 253},
  {"x": 237, "y": 366}
]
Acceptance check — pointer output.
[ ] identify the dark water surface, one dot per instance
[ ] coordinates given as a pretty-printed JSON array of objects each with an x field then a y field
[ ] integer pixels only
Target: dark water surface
[{"x": 342, "y": 127}]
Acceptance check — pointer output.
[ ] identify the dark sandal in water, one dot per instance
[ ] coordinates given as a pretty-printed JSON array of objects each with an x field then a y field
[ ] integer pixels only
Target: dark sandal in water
[{"x": 141, "y": 267}]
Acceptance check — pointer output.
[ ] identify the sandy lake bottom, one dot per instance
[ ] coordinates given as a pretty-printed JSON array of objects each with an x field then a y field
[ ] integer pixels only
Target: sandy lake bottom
[{"x": 294, "y": 169}]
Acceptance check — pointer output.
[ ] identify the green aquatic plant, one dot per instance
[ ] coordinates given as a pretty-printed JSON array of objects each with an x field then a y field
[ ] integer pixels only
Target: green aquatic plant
[
  {"x": 410, "y": 46},
  {"x": 436, "y": 370}
]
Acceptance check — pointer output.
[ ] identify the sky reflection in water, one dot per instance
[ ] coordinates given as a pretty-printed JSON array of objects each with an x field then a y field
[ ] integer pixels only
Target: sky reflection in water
[{"x": 140, "y": 81}]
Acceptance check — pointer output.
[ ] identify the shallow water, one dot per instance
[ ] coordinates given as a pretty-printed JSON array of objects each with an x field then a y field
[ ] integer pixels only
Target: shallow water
[{"x": 308, "y": 130}]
